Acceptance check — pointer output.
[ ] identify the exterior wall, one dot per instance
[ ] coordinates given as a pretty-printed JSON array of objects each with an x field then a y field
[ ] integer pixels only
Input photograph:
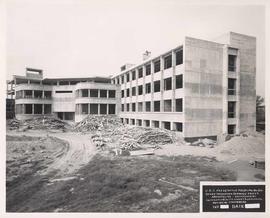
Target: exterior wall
[
  {"x": 63, "y": 102},
  {"x": 172, "y": 94},
  {"x": 31, "y": 100},
  {"x": 96, "y": 100},
  {"x": 203, "y": 88},
  {"x": 247, "y": 56}
]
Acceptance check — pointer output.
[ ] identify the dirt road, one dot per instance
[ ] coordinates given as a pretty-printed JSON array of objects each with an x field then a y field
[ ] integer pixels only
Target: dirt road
[{"x": 78, "y": 152}]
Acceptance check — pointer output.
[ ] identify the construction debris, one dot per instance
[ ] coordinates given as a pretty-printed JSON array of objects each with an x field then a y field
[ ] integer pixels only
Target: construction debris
[
  {"x": 109, "y": 129},
  {"x": 97, "y": 122},
  {"x": 13, "y": 124},
  {"x": 130, "y": 145},
  {"x": 204, "y": 143},
  {"x": 142, "y": 152},
  {"x": 155, "y": 136},
  {"x": 36, "y": 123}
]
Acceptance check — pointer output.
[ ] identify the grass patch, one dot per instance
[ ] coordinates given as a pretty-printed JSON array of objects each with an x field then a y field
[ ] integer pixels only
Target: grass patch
[{"x": 129, "y": 184}]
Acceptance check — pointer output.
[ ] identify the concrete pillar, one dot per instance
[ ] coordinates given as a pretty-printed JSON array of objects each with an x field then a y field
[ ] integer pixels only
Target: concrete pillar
[
  {"x": 161, "y": 83},
  {"x": 33, "y": 112},
  {"x": 136, "y": 96},
  {"x": 173, "y": 80},
  {"x": 107, "y": 108},
  {"x": 152, "y": 88},
  {"x": 43, "y": 109},
  {"x": 33, "y": 94},
  {"x": 143, "y": 85},
  {"x": 98, "y": 109},
  {"x": 28, "y": 81}
]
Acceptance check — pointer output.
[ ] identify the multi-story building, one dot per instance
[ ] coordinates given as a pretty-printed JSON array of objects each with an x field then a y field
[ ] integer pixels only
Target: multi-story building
[
  {"x": 200, "y": 89},
  {"x": 65, "y": 98}
]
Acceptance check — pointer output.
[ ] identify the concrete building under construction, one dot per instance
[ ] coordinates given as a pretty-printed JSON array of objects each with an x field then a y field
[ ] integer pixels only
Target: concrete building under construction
[{"x": 200, "y": 89}]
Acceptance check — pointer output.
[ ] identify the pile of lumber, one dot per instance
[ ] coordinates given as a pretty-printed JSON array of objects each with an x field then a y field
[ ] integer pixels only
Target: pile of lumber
[
  {"x": 95, "y": 122},
  {"x": 156, "y": 136},
  {"x": 130, "y": 145},
  {"x": 13, "y": 124},
  {"x": 38, "y": 123},
  {"x": 44, "y": 123},
  {"x": 98, "y": 141},
  {"x": 143, "y": 135}
]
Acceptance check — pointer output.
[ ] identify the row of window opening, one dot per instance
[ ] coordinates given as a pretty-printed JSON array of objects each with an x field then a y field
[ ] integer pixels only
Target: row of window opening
[{"x": 157, "y": 67}]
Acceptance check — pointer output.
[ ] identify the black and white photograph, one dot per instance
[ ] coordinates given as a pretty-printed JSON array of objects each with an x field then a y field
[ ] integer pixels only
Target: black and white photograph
[{"x": 134, "y": 107}]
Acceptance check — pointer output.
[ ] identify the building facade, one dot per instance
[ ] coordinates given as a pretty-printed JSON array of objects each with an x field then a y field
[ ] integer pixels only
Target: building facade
[
  {"x": 66, "y": 98},
  {"x": 199, "y": 89}
]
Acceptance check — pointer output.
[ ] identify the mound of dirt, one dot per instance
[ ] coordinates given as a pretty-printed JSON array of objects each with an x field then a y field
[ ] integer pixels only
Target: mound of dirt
[{"x": 244, "y": 145}]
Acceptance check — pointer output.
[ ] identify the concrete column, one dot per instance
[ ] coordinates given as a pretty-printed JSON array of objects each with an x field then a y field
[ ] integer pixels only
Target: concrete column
[
  {"x": 143, "y": 85},
  {"x": 237, "y": 128},
  {"x": 173, "y": 80},
  {"x": 28, "y": 81},
  {"x": 152, "y": 88},
  {"x": 33, "y": 94},
  {"x": 88, "y": 108},
  {"x": 136, "y": 96},
  {"x": 225, "y": 90},
  {"x": 107, "y": 108},
  {"x": 23, "y": 108},
  {"x": 33, "y": 109},
  {"x": 161, "y": 83},
  {"x": 98, "y": 109},
  {"x": 43, "y": 109}
]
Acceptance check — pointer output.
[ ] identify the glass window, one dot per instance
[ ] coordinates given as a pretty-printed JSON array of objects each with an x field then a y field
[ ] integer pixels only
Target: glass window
[
  {"x": 168, "y": 84},
  {"x": 168, "y": 62},
  {"x": 157, "y": 86},
  {"x": 140, "y": 72},
  {"x": 148, "y": 69},
  {"x": 179, "y": 57},
  {"x": 179, "y": 81},
  {"x": 156, "y": 66}
]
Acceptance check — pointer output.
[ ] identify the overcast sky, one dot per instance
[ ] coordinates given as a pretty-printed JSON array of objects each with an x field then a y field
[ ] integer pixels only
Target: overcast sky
[{"x": 69, "y": 38}]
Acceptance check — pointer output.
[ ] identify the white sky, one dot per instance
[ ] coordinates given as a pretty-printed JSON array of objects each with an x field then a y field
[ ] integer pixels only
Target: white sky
[{"x": 85, "y": 38}]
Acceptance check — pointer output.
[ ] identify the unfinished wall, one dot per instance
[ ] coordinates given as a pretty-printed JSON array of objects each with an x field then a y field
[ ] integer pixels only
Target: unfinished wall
[
  {"x": 203, "y": 85},
  {"x": 247, "y": 53}
]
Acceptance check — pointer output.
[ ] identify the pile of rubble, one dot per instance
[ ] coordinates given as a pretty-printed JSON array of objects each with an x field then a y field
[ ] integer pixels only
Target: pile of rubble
[
  {"x": 13, "y": 124},
  {"x": 108, "y": 129},
  {"x": 38, "y": 123},
  {"x": 133, "y": 137},
  {"x": 95, "y": 122},
  {"x": 204, "y": 143}
]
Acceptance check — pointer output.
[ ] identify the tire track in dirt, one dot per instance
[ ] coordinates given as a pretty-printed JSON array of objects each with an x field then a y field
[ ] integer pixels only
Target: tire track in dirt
[{"x": 79, "y": 153}]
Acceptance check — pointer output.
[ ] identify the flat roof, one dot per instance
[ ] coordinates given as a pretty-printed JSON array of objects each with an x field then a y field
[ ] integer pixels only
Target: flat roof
[{"x": 20, "y": 79}]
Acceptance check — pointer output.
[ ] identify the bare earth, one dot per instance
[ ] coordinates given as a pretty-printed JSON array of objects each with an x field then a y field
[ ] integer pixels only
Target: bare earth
[{"x": 78, "y": 151}]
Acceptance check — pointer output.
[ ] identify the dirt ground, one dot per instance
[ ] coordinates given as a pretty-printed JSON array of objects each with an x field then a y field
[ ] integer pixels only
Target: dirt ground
[{"x": 64, "y": 171}]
